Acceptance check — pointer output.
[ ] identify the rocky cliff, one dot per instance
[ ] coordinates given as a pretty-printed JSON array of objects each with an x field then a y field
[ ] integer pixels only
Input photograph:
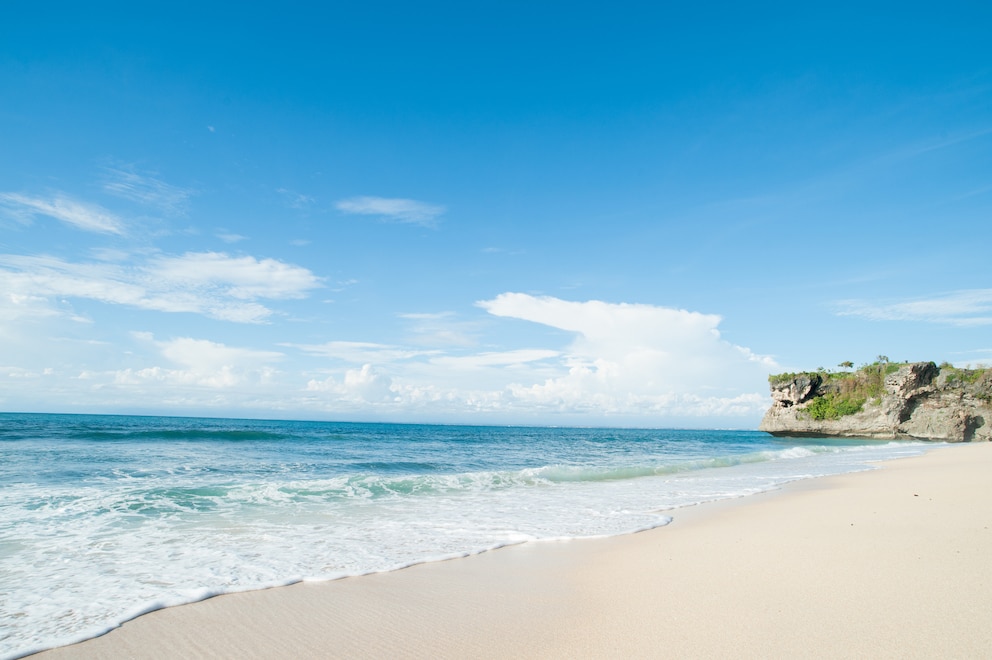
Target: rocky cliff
[{"x": 915, "y": 400}]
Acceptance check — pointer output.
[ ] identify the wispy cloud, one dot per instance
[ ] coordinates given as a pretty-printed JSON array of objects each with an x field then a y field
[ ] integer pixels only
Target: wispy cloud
[
  {"x": 408, "y": 211},
  {"x": 978, "y": 357},
  {"x": 938, "y": 143},
  {"x": 969, "y": 307},
  {"x": 498, "y": 250},
  {"x": 230, "y": 237},
  {"x": 146, "y": 190},
  {"x": 518, "y": 357},
  {"x": 296, "y": 200},
  {"x": 208, "y": 283},
  {"x": 88, "y": 217},
  {"x": 361, "y": 352},
  {"x": 442, "y": 329},
  {"x": 243, "y": 278}
]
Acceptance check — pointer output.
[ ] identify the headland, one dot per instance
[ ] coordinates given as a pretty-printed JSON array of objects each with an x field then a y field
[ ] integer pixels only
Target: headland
[{"x": 885, "y": 400}]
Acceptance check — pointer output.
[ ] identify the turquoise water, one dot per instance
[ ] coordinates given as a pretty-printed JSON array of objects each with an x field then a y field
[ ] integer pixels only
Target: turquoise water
[{"x": 105, "y": 517}]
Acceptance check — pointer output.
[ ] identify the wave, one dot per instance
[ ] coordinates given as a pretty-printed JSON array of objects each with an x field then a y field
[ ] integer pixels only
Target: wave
[
  {"x": 154, "y": 498},
  {"x": 571, "y": 473},
  {"x": 173, "y": 435}
]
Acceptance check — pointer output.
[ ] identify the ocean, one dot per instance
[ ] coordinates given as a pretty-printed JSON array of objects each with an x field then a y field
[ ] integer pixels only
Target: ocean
[{"x": 103, "y": 518}]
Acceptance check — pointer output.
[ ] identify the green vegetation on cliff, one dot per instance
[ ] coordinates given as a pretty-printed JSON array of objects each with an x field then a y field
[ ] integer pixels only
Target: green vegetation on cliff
[
  {"x": 834, "y": 406},
  {"x": 836, "y": 394},
  {"x": 964, "y": 376},
  {"x": 884, "y": 399}
]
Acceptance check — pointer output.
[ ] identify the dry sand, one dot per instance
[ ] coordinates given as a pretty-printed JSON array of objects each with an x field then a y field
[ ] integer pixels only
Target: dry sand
[{"x": 893, "y": 563}]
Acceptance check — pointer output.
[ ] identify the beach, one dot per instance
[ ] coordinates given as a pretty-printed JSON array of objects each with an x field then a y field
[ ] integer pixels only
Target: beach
[{"x": 892, "y": 562}]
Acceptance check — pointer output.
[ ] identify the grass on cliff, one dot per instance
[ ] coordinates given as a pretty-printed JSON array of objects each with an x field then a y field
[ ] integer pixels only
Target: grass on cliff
[
  {"x": 834, "y": 406},
  {"x": 963, "y": 376},
  {"x": 977, "y": 381},
  {"x": 844, "y": 392}
]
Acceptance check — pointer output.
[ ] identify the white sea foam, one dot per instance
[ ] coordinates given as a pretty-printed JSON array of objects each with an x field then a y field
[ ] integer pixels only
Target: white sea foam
[{"x": 77, "y": 559}]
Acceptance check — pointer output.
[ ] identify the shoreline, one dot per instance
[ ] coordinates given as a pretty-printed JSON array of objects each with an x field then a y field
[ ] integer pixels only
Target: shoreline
[{"x": 883, "y": 563}]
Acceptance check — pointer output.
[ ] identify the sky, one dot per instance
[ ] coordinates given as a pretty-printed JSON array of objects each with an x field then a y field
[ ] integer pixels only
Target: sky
[{"x": 621, "y": 214}]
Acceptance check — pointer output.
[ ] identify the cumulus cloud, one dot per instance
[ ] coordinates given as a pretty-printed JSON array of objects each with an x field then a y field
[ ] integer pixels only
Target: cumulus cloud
[
  {"x": 620, "y": 361},
  {"x": 202, "y": 363},
  {"x": 146, "y": 190},
  {"x": 209, "y": 283},
  {"x": 81, "y": 215},
  {"x": 408, "y": 211},
  {"x": 970, "y": 307},
  {"x": 631, "y": 357},
  {"x": 363, "y": 385},
  {"x": 610, "y": 363}
]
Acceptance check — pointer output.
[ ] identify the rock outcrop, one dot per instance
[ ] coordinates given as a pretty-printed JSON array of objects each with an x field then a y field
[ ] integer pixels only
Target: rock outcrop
[{"x": 917, "y": 400}]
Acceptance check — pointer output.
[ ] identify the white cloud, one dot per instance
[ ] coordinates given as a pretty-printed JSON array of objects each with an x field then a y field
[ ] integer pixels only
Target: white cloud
[
  {"x": 202, "y": 363},
  {"x": 612, "y": 364},
  {"x": 17, "y": 305},
  {"x": 230, "y": 237},
  {"x": 208, "y": 283},
  {"x": 146, "y": 190},
  {"x": 623, "y": 362},
  {"x": 398, "y": 210},
  {"x": 204, "y": 354},
  {"x": 342, "y": 285},
  {"x": 358, "y": 352},
  {"x": 88, "y": 217},
  {"x": 42, "y": 278},
  {"x": 513, "y": 358},
  {"x": 441, "y": 329},
  {"x": 970, "y": 307},
  {"x": 238, "y": 277},
  {"x": 24, "y": 374},
  {"x": 364, "y": 385},
  {"x": 629, "y": 358}
]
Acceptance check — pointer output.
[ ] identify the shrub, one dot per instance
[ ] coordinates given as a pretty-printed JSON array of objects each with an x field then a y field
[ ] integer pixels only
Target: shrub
[
  {"x": 964, "y": 376},
  {"x": 834, "y": 406}
]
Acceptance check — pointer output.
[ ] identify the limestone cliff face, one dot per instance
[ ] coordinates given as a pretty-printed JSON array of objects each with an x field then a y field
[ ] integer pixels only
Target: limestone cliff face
[{"x": 918, "y": 402}]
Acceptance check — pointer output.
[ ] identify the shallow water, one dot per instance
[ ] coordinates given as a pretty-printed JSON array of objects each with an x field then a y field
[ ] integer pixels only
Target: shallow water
[{"x": 106, "y": 517}]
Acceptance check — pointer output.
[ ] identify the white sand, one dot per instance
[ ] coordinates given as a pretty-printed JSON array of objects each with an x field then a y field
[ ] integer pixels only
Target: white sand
[{"x": 893, "y": 563}]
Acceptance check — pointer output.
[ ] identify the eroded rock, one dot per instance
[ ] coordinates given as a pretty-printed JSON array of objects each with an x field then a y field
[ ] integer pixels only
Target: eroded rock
[{"x": 918, "y": 402}]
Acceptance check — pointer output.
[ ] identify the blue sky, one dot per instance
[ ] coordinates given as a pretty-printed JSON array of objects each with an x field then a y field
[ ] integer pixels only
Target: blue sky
[{"x": 541, "y": 213}]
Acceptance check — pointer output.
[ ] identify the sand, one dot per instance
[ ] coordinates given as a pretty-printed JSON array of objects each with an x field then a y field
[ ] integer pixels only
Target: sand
[{"x": 892, "y": 563}]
